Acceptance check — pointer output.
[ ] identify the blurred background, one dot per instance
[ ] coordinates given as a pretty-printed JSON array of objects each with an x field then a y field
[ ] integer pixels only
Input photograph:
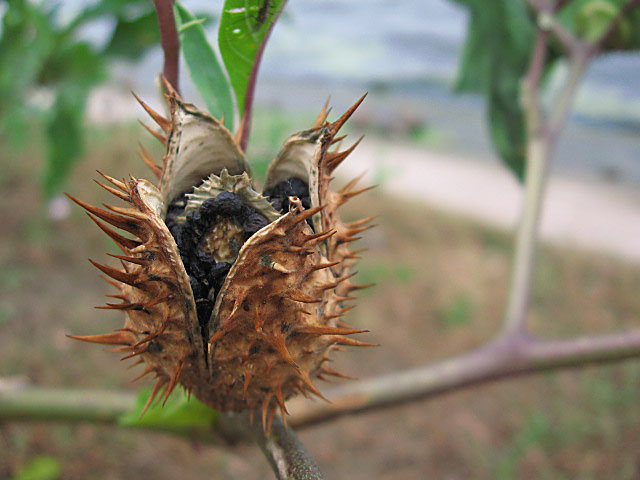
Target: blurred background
[{"x": 440, "y": 257}]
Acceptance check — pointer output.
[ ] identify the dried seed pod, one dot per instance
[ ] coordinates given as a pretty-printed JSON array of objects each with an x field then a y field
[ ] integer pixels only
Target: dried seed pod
[{"x": 234, "y": 294}]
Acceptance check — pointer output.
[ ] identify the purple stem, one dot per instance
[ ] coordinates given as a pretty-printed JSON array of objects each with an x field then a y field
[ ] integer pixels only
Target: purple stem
[
  {"x": 245, "y": 124},
  {"x": 170, "y": 41},
  {"x": 507, "y": 357}
]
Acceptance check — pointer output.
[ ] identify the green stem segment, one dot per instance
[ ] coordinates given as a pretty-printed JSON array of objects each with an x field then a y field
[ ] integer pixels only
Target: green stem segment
[{"x": 542, "y": 136}]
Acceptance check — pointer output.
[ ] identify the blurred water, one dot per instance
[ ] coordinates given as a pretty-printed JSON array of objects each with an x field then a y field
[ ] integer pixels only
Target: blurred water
[
  {"x": 368, "y": 40},
  {"x": 405, "y": 53}
]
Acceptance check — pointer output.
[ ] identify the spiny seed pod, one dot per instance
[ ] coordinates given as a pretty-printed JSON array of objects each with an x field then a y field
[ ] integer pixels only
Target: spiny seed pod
[{"x": 236, "y": 295}]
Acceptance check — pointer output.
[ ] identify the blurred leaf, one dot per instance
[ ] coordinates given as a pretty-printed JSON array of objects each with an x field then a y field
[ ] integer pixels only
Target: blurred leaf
[
  {"x": 27, "y": 40},
  {"x": 458, "y": 312},
  {"x": 536, "y": 432},
  {"x": 82, "y": 69},
  {"x": 494, "y": 59},
  {"x": 179, "y": 411},
  {"x": 244, "y": 29},
  {"x": 474, "y": 71},
  {"x": 131, "y": 38},
  {"x": 589, "y": 19},
  {"x": 506, "y": 119},
  {"x": 594, "y": 19},
  {"x": 65, "y": 138},
  {"x": 76, "y": 70},
  {"x": 381, "y": 273},
  {"x": 205, "y": 70},
  {"x": 36, "y": 50},
  {"x": 634, "y": 37},
  {"x": 42, "y": 467},
  {"x": 74, "y": 63},
  {"x": 109, "y": 7}
]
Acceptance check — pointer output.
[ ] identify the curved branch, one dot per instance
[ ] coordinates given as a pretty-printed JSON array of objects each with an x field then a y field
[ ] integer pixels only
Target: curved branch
[
  {"x": 287, "y": 456},
  {"x": 507, "y": 357},
  {"x": 510, "y": 356}
]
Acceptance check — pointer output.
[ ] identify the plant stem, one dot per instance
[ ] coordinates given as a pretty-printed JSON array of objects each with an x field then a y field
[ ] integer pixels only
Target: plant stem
[
  {"x": 524, "y": 257},
  {"x": 557, "y": 117},
  {"x": 504, "y": 358},
  {"x": 501, "y": 359},
  {"x": 245, "y": 120},
  {"x": 288, "y": 457},
  {"x": 542, "y": 135},
  {"x": 170, "y": 41},
  {"x": 37, "y": 403}
]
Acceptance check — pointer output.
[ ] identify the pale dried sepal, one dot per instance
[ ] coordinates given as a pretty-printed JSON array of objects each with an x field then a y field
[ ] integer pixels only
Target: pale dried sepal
[{"x": 198, "y": 146}]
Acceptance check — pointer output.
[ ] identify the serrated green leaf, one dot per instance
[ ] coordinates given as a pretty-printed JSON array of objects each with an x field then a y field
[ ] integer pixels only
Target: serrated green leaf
[
  {"x": 42, "y": 467},
  {"x": 205, "y": 70},
  {"x": 179, "y": 412},
  {"x": 244, "y": 29}
]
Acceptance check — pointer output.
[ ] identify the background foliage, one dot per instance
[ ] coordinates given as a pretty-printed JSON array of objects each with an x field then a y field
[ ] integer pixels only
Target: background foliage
[
  {"x": 39, "y": 52},
  {"x": 496, "y": 55}
]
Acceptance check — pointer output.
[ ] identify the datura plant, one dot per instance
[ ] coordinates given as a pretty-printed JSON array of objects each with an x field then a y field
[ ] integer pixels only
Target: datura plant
[{"x": 233, "y": 294}]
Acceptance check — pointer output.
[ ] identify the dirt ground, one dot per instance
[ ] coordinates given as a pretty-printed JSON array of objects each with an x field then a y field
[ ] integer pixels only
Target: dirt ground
[{"x": 441, "y": 284}]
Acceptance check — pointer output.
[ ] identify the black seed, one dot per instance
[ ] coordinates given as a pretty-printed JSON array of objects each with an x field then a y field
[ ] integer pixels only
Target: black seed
[
  {"x": 279, "y": 195},
  {"x": 207, "y": 276}
]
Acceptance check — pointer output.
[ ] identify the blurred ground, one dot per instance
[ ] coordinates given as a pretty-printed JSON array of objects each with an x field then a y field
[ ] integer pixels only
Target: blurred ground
[{"x": 441, "y": 286}]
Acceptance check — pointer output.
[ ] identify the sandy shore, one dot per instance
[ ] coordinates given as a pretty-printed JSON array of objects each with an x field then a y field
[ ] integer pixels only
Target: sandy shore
[{"x": 586, "y": 214}]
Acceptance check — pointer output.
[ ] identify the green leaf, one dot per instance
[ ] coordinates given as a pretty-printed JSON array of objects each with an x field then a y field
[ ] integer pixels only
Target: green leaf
[
  {"x": 131, "y": 38},
  {"x": 75, "y": 63},
  {"x": 507, "y": 123},
  {"x": 65, "y": 138},
  {"x": 589, "y": 19},
  {"x": 42, "y": 467},
  {"x": 474, "y": 71},
  {"x": 179, "y": 412},
  {"x": 27, "y": 39},
  {"x": 457, "y": 313},
  {"x": 494, "y": 60},
  {"x": 205, "y": 70},
  {"x": 244, "y": 29},
  {"x": 106, "y": 7},
  {"x": 76, "y": 70}
]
